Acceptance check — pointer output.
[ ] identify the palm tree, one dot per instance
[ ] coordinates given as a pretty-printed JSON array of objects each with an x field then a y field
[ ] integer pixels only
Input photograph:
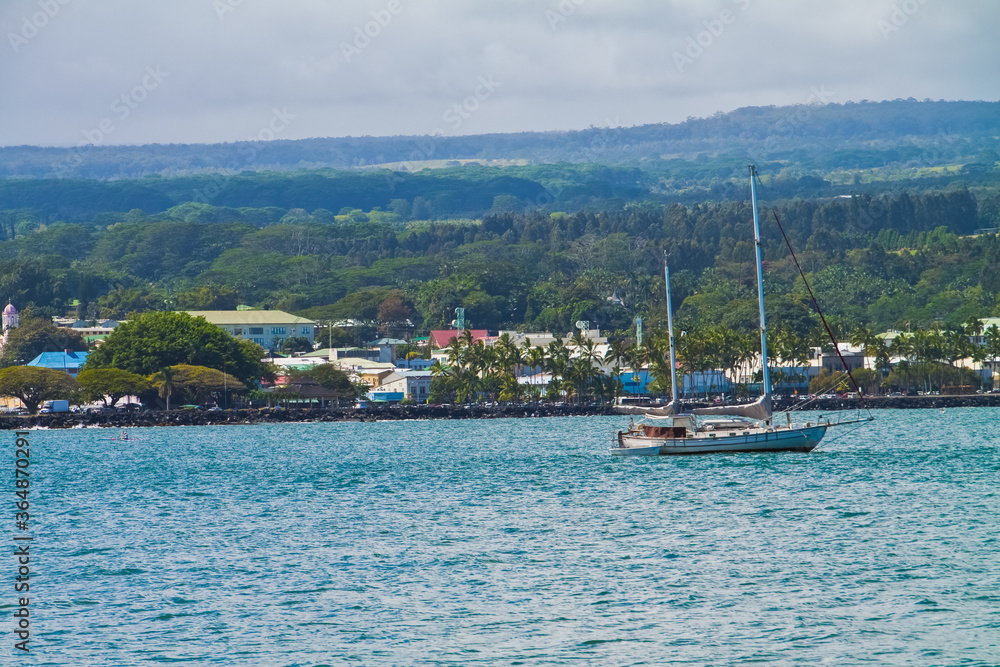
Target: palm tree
[
  {"x": 454, "y": 349},
  {"x": 956, "y": 346},
  {"x": 867, "y": 340},
  {"x": 925, "y": 351},
  {"x": 993, "y": 349},
  {"x": 557, "y": 357},
  {"x": 508, "y": 354},
  {"x": 747, "y": 354},
  {"x": 973, "y": 326},
  {"x": 616, "y": 352},
  {"x": 614, "y": 356},
  {"x": 978, "y": 357},
  {"x": 693, "y": 352},
  {"x": 165, "y": 380},
  {"x": 902, "y": 346},
  {"x": 535, "y": 358},
  {"x": 590, "y": 359},
  {"x": 634, "y": 357},
  {"x": 555, "y": 389},
  {"x": 462, "y": 382},
  {"x": 659, "y": 366}
]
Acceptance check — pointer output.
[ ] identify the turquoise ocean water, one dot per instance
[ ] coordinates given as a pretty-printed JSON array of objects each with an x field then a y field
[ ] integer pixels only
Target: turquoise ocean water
[{"x": 510, "y": 542}]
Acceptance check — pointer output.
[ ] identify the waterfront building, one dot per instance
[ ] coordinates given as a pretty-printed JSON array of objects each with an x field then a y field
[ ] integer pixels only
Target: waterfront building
[
  {"x": 267, "y": 328},
  {"x": 403, "y": 384},
  {"x": 67, "y": 361}
]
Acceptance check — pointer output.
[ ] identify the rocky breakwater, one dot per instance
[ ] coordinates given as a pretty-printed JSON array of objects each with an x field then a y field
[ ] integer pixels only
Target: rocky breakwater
[
  {"x": 277, "y": 415},
  {"x": 899, "y": 402},
  {"x": 853, "y": 403}
]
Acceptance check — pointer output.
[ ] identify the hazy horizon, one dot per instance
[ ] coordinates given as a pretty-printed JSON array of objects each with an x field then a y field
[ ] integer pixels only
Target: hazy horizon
[{"x": 217, "y": 71}]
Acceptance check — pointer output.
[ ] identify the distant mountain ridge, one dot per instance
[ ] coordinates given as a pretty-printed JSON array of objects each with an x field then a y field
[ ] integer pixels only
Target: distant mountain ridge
[{"x": 926, "y": 127}]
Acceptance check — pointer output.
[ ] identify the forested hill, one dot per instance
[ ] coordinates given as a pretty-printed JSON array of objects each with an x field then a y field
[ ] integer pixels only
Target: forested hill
[
  {"x": 891, "y": 206},
  {"x": 845, "y": 136},
  {"x": 884, "y": 260}
]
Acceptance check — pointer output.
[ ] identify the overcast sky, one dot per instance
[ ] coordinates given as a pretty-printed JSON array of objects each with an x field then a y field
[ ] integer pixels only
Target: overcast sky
[{"x": 199, "y": 71}]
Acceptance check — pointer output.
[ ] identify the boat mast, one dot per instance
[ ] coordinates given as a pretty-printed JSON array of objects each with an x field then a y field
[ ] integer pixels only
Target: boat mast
[
  {"x": 670, "y": 334},
  {"x": 760, "y": 283}
]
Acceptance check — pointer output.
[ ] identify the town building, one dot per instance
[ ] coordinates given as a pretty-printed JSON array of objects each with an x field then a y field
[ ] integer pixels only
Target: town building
[
  {"x": 267, "y": 328},
  {"x": 402, "y": 384},
  {"x": 371, "y": 373},
  {"x": 67, "y": 361},
  {"x": 381, "y": 350},
  {"x": 306, "y": 393},
  {"x": 441, "y": 338},
  {"x": 92, "y": 334},
  {"x": 11, "y": 321}
]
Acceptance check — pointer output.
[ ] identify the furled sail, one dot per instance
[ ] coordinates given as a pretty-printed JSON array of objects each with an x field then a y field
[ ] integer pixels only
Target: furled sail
[
  {"x": 667, "y": 411},
  {"x": 759, "y": 409}
]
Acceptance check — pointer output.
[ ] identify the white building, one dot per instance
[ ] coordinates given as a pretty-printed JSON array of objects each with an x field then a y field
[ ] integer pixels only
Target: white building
[
  {"x": 267, "y": 328},
  {"x": 412, "y": 385},
  {"x": 11, "y": 320}
]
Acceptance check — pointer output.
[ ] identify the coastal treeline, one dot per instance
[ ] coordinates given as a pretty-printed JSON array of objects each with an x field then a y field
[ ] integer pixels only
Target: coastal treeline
[{"x": 908, "y": 258}]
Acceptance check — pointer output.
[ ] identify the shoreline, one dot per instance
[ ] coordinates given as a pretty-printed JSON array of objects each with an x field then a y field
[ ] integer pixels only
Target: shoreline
[
  {"x": 69, "y": 420},
  {"x": 410, "y": 412}
]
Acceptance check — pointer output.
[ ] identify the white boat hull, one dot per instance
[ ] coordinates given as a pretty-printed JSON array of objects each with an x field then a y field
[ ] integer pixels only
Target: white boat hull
[
  {"x": 779, "y": 440},
  {"x": 652, "y": 450}
]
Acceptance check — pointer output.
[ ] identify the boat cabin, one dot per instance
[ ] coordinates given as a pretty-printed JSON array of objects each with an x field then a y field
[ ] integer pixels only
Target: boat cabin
[{"x": 679, "y": 426}]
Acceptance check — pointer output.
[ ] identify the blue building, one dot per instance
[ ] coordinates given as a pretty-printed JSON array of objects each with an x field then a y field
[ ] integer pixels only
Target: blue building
[
  {"x": 635, "y": 383},
  {"x": 67, "y": 361}
]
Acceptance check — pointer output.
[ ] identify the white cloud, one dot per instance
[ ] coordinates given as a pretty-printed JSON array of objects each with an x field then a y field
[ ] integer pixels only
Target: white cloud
[{"x": 599, "y": 61}]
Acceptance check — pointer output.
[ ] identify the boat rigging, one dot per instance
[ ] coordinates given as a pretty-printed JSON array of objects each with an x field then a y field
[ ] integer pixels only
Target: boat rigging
[{"x": 733, "y": 428}]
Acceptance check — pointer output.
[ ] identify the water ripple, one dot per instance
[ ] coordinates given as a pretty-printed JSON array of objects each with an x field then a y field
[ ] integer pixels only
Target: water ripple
[{"x": 517, "y": 542}]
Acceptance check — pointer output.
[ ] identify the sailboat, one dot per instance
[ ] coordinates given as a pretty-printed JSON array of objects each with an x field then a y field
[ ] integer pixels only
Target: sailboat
[{"x": 733, "y": 428}]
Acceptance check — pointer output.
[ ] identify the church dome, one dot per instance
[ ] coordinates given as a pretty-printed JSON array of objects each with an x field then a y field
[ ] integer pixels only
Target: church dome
[{"x": 10, "y": 309}]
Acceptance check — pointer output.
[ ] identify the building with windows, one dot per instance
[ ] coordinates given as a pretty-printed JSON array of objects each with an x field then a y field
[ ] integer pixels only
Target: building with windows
[
  {"x": 11, "y": 320},
  {"x": 267, "y": 328},
  {"x": 400, "y": 385},
  {"x": 67, "y": 361}
]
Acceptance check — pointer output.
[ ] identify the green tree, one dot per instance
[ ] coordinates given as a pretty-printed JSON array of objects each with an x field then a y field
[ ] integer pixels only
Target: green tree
[
  {"x": 296, "y": 344},
  {"x": 198, "y": 383},
  {"x": 868, "y": 379},
  {"x": 207, "y": 297},
  {"x": 164, "y": 381},
  {"x": 36, "y": 335},
  {"x": 153, "y": 341},
  {"x": 121, "y": 301},
  {"x": 993, "y": 349},
  {"x": 334, "y": 379},
  {"x": 33, "y": 385},
  {"x": 110, "y": 384},
  {"x": 824, "y": 382}
]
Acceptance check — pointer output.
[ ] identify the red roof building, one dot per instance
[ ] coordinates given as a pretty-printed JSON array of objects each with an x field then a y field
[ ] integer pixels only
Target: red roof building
[{"x": 443, "y": 337}]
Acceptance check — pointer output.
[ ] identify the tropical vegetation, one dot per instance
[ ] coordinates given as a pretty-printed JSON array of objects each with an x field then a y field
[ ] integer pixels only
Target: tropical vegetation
[{"x": 33, "y": 385}]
